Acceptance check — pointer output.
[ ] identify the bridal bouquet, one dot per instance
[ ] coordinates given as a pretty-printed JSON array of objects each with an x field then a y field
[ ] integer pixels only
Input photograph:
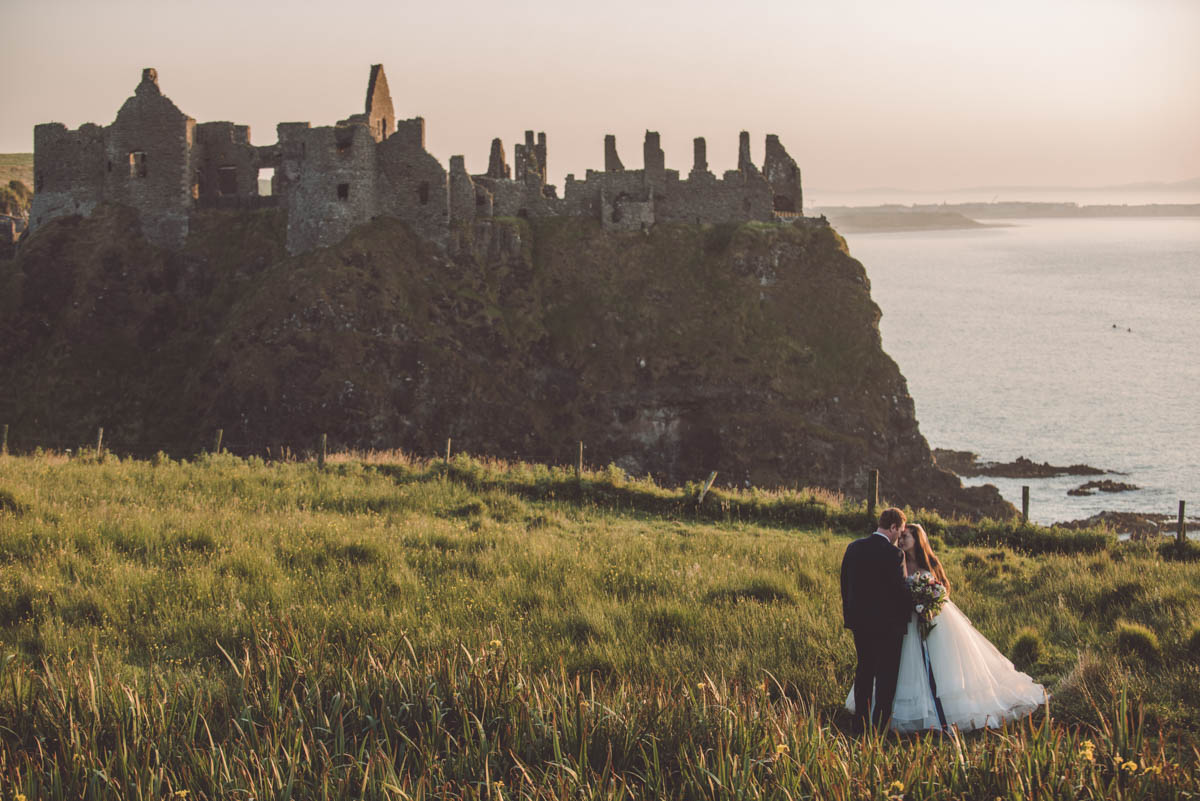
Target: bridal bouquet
[{"x": 928, "y": 596}]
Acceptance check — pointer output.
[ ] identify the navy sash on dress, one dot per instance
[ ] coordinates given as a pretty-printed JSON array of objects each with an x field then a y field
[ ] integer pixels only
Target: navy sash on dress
[{"x": 937, "y": 702}]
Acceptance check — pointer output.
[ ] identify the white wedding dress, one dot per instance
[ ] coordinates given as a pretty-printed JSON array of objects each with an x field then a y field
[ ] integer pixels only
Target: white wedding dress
[{"x": 976, "y": 684}]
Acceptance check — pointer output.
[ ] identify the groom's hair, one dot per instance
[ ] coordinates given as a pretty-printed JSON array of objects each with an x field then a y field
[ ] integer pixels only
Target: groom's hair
[{"x": 891, "y": 517}]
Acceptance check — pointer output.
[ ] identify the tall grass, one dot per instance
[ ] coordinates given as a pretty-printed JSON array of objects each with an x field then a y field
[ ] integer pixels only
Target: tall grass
[{"x": 398, "y": 628}]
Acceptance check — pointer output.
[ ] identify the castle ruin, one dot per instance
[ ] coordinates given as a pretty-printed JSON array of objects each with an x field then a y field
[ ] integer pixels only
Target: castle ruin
[{"x": 330, "y": 179}]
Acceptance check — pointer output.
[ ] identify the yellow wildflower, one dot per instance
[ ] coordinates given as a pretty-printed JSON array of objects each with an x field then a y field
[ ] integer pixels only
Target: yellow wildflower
[
  {"x": 781, "y": 749},
  {"x": 181, "y": 793},
  {"x": 1130, "y": 766},
  {"x": 1087, "y": 750},
  {"x": 700, "y": 685},
  {"x": 495, "y": 643},
  {"x": 895, "y": 788}
]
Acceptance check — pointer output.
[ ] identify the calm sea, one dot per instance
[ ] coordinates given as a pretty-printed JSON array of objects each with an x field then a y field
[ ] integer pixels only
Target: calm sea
[{"x": 1060, "y": 340}]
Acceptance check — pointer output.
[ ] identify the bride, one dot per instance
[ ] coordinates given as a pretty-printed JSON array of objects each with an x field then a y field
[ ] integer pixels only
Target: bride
[{"x": 955, "y": 678}]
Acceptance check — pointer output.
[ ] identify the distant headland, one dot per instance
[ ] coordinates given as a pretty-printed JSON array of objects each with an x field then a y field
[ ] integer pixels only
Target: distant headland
[{"x": 945, "y": 216}]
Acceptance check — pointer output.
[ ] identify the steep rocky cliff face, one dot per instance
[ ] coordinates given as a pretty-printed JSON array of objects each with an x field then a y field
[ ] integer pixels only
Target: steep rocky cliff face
[{"x": 753, "y": 350}]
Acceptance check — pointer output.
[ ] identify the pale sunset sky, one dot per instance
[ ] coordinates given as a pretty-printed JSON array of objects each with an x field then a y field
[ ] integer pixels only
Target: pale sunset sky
[{"x": 923, "y": 94}]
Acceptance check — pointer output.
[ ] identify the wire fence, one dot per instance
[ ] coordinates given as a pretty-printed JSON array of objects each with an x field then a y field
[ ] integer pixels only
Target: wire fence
[{"x": 319, "y": 450}]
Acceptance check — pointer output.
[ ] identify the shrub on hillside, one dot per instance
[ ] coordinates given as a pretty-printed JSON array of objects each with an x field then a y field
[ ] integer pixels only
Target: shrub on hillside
[
  {"x": 1187, "y": 551},
  {"x": 10, "y": 504},
  {"x": 1138, "y": 640},
  {"x": 1193, "y": 643},
  {"x": 1028, "y": 538},
  {"x": 1026, "y": 649}
]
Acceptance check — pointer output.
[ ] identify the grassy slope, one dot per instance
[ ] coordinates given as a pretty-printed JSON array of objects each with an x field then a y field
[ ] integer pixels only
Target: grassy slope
[
  {"x": 16, "y": 166},
  {"x": 143, "y": 573}
]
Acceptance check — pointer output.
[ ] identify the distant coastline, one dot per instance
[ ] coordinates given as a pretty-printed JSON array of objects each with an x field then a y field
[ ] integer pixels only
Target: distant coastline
[{"x": 951, "y": 216}]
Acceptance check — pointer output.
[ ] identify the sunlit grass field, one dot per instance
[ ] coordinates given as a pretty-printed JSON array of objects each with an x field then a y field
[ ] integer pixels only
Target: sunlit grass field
[{"x": 387, "y": 627}]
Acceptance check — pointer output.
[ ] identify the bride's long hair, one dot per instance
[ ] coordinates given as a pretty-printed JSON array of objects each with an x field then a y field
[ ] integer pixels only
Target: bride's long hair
[{"x": 926, "y": 559}]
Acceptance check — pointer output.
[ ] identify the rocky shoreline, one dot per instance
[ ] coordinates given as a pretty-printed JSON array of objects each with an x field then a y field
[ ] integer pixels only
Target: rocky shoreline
[{"x": 968, "y": 465}]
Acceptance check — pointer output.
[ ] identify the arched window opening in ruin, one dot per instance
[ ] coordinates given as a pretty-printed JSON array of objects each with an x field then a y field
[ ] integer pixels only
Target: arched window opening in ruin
[
  {"x": 523, "y": 213},
  {"x": 110, "y": 165},
  {"x": 227, "y": 182},
  {"x": 383, "y": 129},
  {"x": 266, "y": 181},
  {"x": 343, "y": 191},
  {"x": 423, "y": 192},
  {"x": 480, "y": 200},
  {"x": 137, "y": 164},
  {"x": 784, "y": 203}
]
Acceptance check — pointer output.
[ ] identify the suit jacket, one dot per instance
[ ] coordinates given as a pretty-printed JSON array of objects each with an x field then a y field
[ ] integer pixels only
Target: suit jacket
[{"x": 875, "y": 596}]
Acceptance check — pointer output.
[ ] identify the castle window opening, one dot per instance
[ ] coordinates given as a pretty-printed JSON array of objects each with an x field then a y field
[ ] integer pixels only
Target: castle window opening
[
  {"x": 343, "y": 145},
  {"x": 383, "y": 129},
  {"x": 137, "y": 164},
  {"x": 423, "y": 192},
  {"x": 266, "y": 180},
  {"x": 784, "y": 203},
  {"x": 227, "y": 180},
  {"x": 110, "y": 165},
  {"x": 343, "y": 191}
]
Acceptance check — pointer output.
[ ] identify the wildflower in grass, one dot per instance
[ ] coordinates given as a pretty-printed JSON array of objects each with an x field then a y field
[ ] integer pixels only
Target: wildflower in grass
[
  {"x": 1130, "y": 766},
  {"x": 895, "y": 789},
  {"x": 494, "y": 643},
  {"x": 781, "y": 750},
  {"x": 1087, "y": 751}
]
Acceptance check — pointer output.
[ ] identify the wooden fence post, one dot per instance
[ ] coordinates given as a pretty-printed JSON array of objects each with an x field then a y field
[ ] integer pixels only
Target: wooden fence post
[
  {"x": 579, "y": 462},
  {"x": 447, "y": 451},
  {"x": 707, "y": 486},
  {"x": 4, "y": 440},
  {"x": 217, "y": 440},
  {"x": 321, "y": 452},
  {"x": 1181, "y": 531},
  {"x": 99, "y": 441},
  {"x": 872, "y": 493},
  {"x": 1025, "y": 504}
]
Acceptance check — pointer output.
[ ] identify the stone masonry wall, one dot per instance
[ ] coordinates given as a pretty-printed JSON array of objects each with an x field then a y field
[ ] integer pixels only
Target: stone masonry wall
[
  {"x": 412, "y": 184},
  {"x": 69, "y": 171},
  {"x": 335, "y": 190},
  {"x": 226, "y": 163},
  {"x": 150, "y": 148}
]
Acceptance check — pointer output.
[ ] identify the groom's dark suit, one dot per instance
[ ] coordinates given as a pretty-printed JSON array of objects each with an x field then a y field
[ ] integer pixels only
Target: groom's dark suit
[{"x": 876, "y": 607}]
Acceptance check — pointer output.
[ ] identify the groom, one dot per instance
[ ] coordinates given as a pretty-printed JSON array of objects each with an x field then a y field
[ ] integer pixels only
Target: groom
[{"x": 876, "y": 607}]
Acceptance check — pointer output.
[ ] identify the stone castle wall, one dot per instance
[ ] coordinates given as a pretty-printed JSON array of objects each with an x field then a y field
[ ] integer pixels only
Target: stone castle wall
[{"x": 331, "y": 179}]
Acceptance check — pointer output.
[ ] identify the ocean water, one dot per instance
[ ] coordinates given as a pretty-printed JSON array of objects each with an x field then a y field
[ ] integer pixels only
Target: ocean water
[{"x": 1061, "y": 340}]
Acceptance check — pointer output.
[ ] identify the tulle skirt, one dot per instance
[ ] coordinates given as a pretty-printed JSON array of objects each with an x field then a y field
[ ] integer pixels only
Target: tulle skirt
[{"x": 977, "y": 685}]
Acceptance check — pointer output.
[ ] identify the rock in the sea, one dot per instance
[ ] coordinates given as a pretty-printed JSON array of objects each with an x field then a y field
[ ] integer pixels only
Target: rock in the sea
[{"x": 1106, "y": 485}]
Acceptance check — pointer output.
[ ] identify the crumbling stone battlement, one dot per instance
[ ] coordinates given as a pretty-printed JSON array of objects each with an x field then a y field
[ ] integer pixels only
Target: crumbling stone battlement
[{"x": 331, "y": 179}]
